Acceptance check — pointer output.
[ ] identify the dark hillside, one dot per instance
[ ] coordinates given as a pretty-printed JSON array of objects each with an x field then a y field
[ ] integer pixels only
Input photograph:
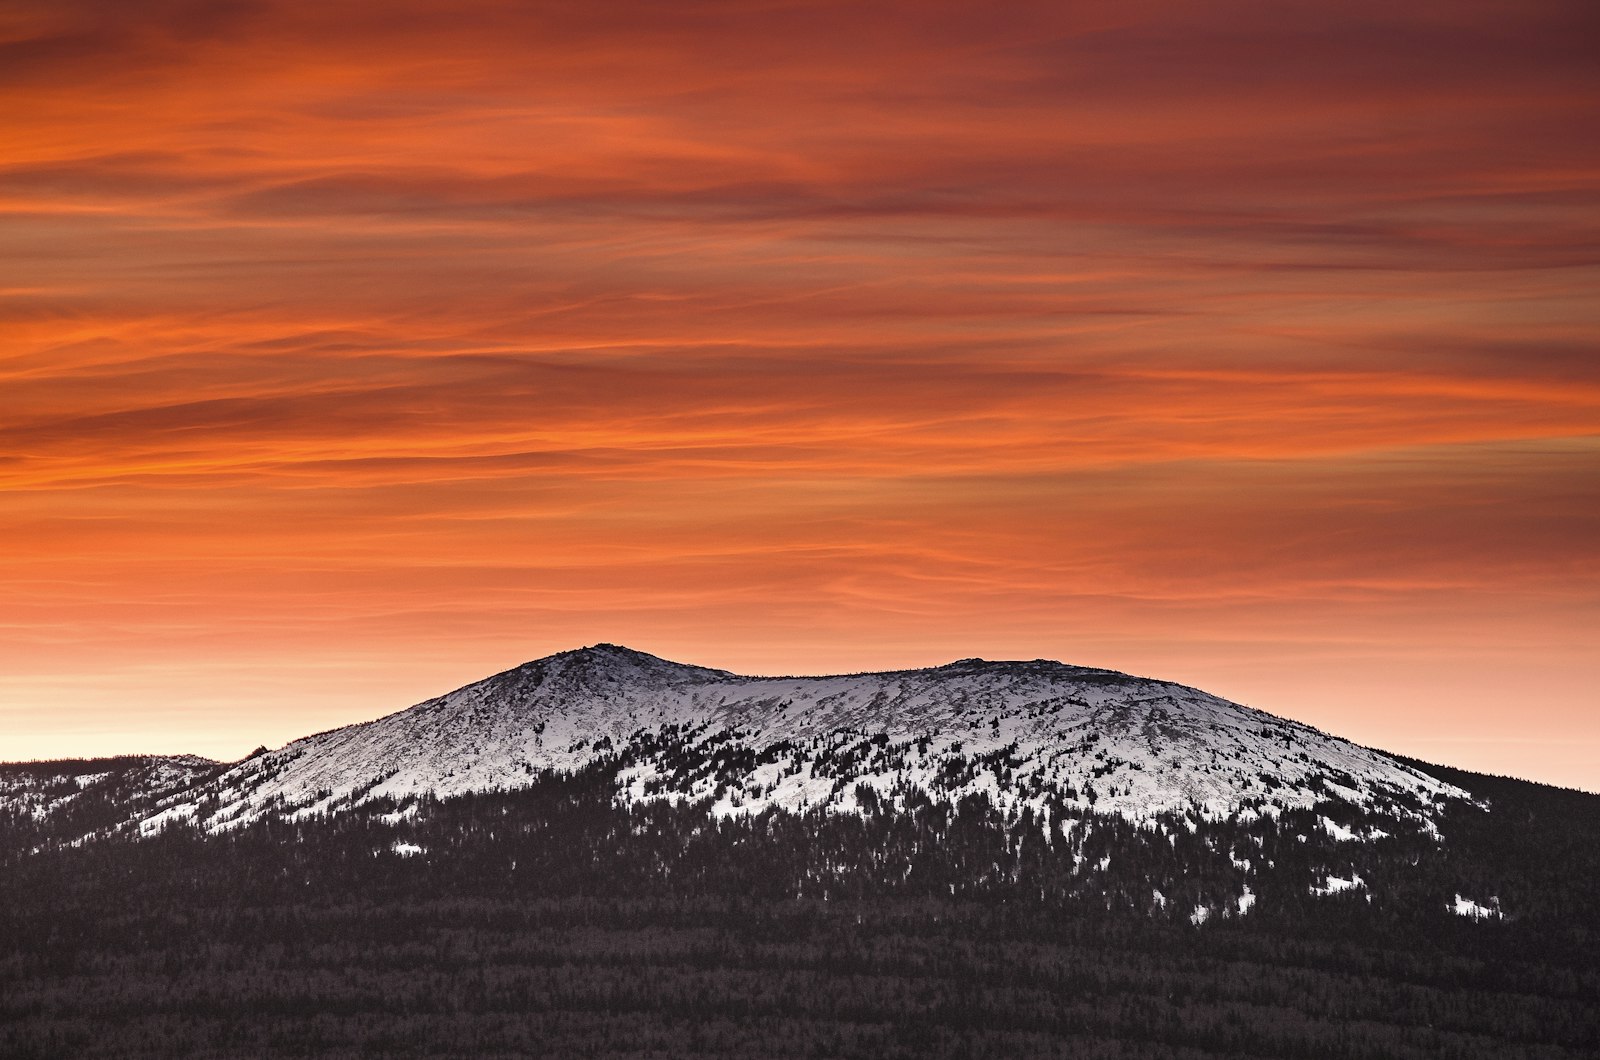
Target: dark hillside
[
  {"x": 1535, "y": 845},
  {"x": 554, "y": 921}
]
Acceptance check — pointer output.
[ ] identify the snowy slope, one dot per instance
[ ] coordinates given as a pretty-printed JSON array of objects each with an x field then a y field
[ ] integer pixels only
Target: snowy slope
[
  {"x": 43, "y": 803},
  {"x": 1020, "y": 732}
]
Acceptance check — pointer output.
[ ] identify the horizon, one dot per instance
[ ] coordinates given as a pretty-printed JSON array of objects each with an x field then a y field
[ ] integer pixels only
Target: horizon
[
  {"x": 347, "y": 351},
  {"x": 821, "y": 675}
]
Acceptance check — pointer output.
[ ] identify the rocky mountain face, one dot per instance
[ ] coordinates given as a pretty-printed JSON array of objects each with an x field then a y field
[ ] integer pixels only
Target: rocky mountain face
[{"x": 1023, "y": 734}]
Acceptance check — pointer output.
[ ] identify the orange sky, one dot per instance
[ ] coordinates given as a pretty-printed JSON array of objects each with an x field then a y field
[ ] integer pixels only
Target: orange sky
[{"x": 350, "y": 352}]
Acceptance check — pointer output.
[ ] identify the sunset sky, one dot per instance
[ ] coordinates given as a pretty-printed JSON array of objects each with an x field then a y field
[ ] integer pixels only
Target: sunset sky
[{"x": 350, "y": 352}]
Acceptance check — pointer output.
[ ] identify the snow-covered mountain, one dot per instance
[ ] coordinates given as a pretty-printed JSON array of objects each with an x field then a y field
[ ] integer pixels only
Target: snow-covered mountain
[
  {"x": 42, "y": 801},
  {"x": 1024, "y": 734},
  {"x": 1035, "y": 806}
]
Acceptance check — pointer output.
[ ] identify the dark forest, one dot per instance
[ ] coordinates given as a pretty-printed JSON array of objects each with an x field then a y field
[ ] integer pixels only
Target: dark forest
[{"x": 555, "y": 921}]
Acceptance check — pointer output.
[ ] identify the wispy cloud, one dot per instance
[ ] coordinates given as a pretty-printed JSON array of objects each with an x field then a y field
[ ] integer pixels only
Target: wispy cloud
[{"x": 868, "y": 330}]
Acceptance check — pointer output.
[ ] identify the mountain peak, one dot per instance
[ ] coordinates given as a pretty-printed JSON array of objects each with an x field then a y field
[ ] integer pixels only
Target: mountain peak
[
  {"x": 614, "y": 659},
  {"x": 606, "y": 652},
  {"x": 607, "y": 648}
]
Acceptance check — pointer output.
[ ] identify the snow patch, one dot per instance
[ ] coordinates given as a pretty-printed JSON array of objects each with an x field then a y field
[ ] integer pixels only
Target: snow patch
[
  {"x": 1338, "y": 831},
  {"x": 1338, "y": 885},
  {"x": 397, "y": 816},
  {"x": 1468, "y": 908}
]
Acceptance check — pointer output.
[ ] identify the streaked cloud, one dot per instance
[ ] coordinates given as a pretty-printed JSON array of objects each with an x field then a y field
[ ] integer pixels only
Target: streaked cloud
[{"x": 1223, "y": 342}]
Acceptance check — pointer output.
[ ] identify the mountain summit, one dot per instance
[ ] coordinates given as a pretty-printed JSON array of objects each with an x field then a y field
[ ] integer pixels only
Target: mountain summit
[{"x": 1024, "y": 734}]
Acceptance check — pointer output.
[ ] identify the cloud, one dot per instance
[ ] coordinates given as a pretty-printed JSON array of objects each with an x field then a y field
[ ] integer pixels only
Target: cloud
[{"x": 867, "y": 329}]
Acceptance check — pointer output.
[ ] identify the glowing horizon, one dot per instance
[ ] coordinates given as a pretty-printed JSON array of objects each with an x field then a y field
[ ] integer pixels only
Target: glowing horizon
[{"x": 352, "y": 354}]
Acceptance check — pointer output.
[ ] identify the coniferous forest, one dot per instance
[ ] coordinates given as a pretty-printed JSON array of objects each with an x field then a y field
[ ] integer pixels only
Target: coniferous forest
[{"x": 556, "y": 921}]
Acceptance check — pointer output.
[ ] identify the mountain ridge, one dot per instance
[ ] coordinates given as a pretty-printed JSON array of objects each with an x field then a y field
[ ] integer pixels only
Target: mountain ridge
[
  {"x": 1024, "y": 732},
  {"x": 1074, "y": 785},
  {"x": 931, "y": 885}
]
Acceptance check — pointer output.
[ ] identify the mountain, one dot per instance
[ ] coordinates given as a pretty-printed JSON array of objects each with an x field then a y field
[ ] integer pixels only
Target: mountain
[
  {"x": 603, "y": 853},
  {"x": 1074, "y": 784},
  {"x": 1024, "y": 734}
]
